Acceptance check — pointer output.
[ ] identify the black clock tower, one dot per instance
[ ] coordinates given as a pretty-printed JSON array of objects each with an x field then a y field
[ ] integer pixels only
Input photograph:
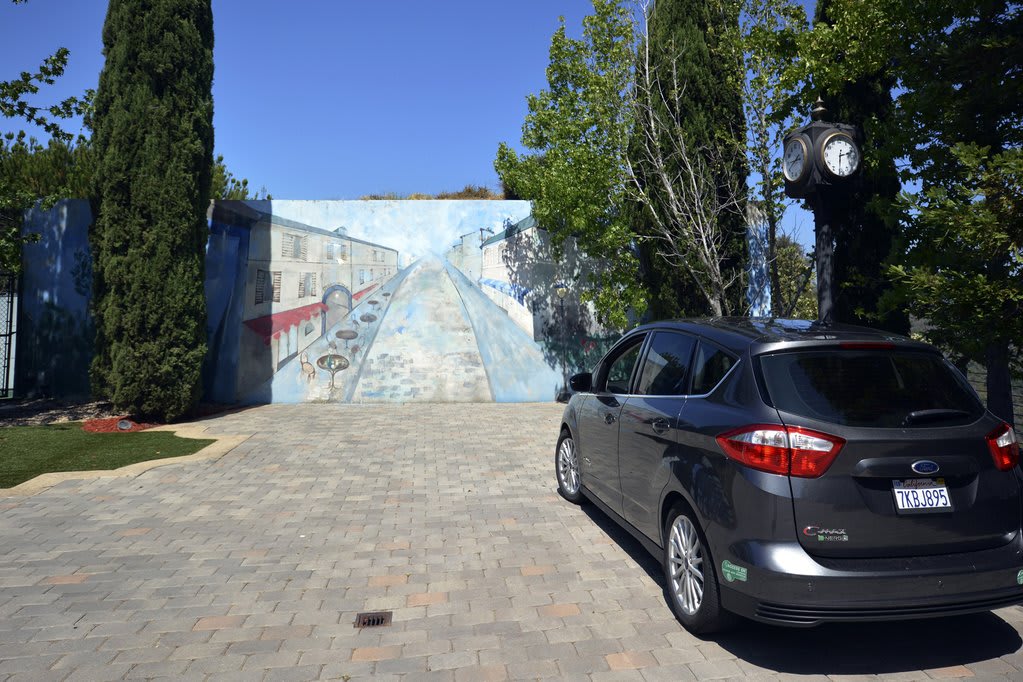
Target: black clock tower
[{"x": 821, "y": 162}]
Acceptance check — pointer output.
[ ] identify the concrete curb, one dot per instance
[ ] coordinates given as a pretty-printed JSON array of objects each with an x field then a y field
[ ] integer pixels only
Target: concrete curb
[{"x": 222, "y": 445}]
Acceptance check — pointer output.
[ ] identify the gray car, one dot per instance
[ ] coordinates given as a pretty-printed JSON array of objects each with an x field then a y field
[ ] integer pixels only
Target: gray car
[{"x": 795, "y": 473}]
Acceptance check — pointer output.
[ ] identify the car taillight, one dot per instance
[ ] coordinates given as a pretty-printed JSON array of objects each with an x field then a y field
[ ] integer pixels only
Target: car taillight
[
  {"x": 782, "y": 449},
  {"x": 1004, "y": 447}
]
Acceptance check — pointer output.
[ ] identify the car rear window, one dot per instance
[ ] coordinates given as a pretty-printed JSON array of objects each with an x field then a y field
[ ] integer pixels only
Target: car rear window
[{"x": 873, "y": 388}]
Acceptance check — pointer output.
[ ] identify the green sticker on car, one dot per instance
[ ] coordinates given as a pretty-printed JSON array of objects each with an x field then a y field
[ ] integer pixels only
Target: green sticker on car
[
  {"x": 1019, "y": 578},
  {"x": 740, "y": 573}
]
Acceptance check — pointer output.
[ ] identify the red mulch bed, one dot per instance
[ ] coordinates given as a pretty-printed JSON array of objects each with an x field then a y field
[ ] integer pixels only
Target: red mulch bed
[{"x": 109, "y": 425}]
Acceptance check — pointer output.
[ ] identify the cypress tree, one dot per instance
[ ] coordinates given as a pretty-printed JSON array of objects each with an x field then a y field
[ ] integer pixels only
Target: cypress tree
[
  {"x": 153, "y": 139},
  {"x": 864, "y": 246},
  {"x": 696, "y": 35}
]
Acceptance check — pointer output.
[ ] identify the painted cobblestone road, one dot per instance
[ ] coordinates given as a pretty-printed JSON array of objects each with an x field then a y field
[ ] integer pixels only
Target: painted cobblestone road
[
  {"x": 424, "y": 349},
  {"x": 430, "y": 335},
  {"x": 255, "y": 565}
]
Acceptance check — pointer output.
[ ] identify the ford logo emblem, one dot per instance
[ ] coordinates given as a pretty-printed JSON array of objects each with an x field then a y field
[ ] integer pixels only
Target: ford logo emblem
[{"x": 925, "y": 466}]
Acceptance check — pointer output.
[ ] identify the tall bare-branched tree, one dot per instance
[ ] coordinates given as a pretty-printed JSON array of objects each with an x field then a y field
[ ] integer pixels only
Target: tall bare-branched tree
[{"x": 677, "y": 177}]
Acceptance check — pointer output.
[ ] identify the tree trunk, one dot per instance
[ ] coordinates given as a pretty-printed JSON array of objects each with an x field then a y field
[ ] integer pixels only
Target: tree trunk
[{"x": 999, "y": 384}]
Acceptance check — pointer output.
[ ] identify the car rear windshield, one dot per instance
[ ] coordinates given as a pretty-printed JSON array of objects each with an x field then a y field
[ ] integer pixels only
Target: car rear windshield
[{"x": 871, "y": 388}]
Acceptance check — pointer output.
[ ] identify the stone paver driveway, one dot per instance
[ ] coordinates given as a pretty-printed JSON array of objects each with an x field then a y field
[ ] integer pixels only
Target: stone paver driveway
[{"x": 255, "y": 565}]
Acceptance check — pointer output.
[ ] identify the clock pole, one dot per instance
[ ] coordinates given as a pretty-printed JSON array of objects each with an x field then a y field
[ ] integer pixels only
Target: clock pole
[
  {"x": 821, "y": 162},
  {"x": 824, "y": 252}
]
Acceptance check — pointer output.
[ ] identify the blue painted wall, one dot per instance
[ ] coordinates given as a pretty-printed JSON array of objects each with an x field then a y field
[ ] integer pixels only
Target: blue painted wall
[{"x": 55, "y": 331}]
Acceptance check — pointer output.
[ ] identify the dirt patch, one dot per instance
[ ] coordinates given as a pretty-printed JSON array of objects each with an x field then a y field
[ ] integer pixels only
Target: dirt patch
[{"x": 38, "y": 412}]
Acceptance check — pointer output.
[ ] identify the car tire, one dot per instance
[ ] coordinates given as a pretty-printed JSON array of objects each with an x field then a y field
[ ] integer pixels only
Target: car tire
[
  {"x": 566, "y": 468},
  {"x": 691, "y": 584}
]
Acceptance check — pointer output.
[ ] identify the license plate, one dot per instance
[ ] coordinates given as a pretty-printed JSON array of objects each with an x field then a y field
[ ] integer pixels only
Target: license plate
[{"x": 921, "y": 494}]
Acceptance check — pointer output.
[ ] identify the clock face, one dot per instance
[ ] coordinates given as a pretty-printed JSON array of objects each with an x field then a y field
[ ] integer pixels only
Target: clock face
[
  {"x": 794, "y": 162},
  {"x": 841, "y": 156}
]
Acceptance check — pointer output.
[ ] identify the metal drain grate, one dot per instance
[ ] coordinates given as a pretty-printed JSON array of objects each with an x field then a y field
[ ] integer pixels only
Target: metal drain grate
[{"x": 373, "y": 619}]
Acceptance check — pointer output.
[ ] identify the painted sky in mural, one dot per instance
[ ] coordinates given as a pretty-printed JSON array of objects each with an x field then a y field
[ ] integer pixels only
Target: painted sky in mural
[{"x": 415, "y": 228}]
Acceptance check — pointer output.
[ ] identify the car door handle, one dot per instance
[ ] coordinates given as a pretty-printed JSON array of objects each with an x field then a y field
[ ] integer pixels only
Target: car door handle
[
  {"x": 609, "y": 418},
  {"x": 660, "y": 426}
]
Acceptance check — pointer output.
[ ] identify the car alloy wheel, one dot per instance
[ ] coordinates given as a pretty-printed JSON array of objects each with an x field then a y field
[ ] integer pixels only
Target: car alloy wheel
[
  {"x": 691, "y": 586},
  {"x": 686, "y": 565},
  {"x": 566, "y": 462}
]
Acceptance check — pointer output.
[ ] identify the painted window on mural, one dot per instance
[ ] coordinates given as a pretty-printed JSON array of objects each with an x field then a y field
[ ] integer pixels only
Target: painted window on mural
[
  {"x": 268, "y": 286},
  {"x": 495, "y": 255},
  {"x": 309, "y": 328},
  {"x": 362, "y": 276},
  {"x": 328, "y": 252},
  {"x": 306, "y": 284},
  {"x": 293, "y": 246}
]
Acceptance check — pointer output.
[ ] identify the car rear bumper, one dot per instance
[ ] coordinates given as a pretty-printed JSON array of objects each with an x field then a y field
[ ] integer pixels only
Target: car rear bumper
[{"x": 785, "y": 586}]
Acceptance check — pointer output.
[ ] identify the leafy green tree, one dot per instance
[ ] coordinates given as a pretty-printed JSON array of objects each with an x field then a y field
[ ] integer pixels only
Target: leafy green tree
[
  {"x": 14, "y": 104},
  {"x": 767, "y": 45},
  {"x": 578, "y": 130},
  {"x": 963, "y": 270},
  {"x": 29, "y": 173},
  {"x": 224, "y": 185},
  {"x": 23, "y": 163},
  {"x": 863, "y": 247},
  {"x": 686, "y": 161},
  {"x": 796, "y": 281},
  {"x": 958, "y": 120},
  {"x": 154, "y": 145}
]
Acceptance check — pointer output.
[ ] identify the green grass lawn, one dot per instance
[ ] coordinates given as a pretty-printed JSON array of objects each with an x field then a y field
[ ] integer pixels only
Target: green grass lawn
[{"x": 27, "y": 451}]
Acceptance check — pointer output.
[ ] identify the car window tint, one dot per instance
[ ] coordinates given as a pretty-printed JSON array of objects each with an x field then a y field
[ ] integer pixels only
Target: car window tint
[
  {"x": 620, "y": 371},
  {"x": 869, "y": 388},
  {"x": 709, "y": 367},
  {"x": 666, "y": 365}
]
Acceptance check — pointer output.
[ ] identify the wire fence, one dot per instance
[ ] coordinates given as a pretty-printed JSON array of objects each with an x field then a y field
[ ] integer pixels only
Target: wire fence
[
  {"x": 8, "y": 300},
  {"x": 977, "y": 377}
]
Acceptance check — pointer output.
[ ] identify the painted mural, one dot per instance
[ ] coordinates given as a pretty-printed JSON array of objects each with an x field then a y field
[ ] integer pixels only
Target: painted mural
[
  {"x": 391, "y": 301},
  {"x": 341, "y": 301}
]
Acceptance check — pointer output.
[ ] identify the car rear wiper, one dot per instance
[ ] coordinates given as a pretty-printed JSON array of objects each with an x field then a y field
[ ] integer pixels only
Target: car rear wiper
[{"x": 940, "y": 414}]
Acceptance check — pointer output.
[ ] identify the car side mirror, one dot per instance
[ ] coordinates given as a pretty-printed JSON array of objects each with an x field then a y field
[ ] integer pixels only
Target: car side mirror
[{"x": 581, "y": 383}]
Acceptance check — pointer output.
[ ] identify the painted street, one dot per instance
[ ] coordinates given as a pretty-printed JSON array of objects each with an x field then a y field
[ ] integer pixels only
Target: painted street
[
  {"x": 429, "y": 335},
  {"x": 425, "y": 349}
]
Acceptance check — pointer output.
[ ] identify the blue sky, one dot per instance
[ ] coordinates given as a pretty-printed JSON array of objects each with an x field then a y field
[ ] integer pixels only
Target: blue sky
[{"x": 335, "y": 99}]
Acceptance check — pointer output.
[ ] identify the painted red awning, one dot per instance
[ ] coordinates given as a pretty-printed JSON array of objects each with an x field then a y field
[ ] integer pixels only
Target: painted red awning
[
  {"x": 271, "y": 326},
  {"x": 359, "y": 294}
]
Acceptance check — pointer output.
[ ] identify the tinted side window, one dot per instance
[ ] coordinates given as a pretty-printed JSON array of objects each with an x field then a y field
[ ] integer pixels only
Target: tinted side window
[
  {"x": 666, "y": 365},
  {"x": 620, "y": 371},
  {"x": 709, "y": 368}
]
